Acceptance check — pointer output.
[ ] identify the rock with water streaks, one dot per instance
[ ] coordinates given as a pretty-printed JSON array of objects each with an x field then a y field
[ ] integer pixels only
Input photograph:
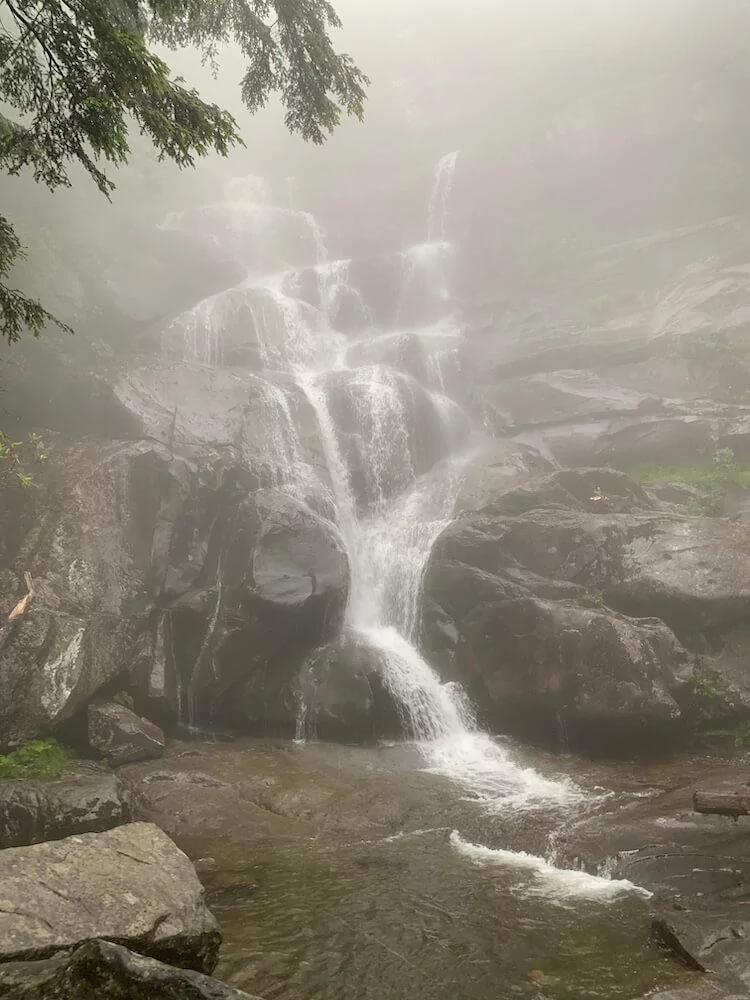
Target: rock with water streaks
[
  {"x": 284, "y": 584},
  {"x": 96, "y": 537},
  {"x": 131, "y": 885},
  {"x": 389, "y": 429}
]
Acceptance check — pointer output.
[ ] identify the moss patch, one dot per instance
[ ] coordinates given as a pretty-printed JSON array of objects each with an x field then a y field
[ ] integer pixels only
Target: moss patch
[
  {"x": 36, "y": 759},
  {"x": 714, "y": 480}
]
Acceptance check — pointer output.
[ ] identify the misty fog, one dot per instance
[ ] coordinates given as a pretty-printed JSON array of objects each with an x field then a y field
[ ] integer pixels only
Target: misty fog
[{"x": 379, "y": 536}]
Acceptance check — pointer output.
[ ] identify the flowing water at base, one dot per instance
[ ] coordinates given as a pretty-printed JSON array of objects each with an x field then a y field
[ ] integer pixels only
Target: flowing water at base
[{"x": 425, "y": 913}]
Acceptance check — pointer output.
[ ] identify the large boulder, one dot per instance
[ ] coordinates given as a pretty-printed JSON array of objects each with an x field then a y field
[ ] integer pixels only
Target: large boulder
[
  {"x": 143, "y": 563},
  {"x": 86, "y": 800},
  {"x": 342, "y": 695},
  {"x": 534, "y": 661},
  {"x": 130, "y": 885},
  {"x": 120, "y": 736},
  {"x": 95, "y": 537},
  {"x": 100, "y": 969},
  {"x": 497, "y": 468},
  {"x": 197, "y": 411},
  {"x": 281, "y": 591},
  {"x": 571, "y": 601}
]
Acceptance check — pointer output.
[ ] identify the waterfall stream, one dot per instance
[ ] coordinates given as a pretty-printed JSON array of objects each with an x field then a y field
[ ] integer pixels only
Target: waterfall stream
[{"x": 389, "y": 509}]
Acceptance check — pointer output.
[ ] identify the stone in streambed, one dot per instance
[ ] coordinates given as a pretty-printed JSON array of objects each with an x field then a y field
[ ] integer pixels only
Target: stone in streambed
[
  {"x": 86, "y": 800},
  {"x": 101, "y": 969},
  {"x": 131, "y": 885},
  {"x": 121, "y": 737}
]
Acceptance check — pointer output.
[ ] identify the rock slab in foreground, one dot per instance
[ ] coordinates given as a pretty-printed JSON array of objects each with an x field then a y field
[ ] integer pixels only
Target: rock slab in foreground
[
  {"x": 88, "y": 800},
  {"x": 122, "y": 737},
  {"x": 131, "y": 885},
  {"x": 100, "y": 969}
]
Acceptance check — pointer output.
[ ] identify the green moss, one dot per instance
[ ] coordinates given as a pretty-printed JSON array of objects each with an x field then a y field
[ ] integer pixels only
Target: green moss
[
  {"x": 36, "y": 759},
  {"x": 125, "y": 699},
  {"x": 593, "y": 598},
  {"x": 707, "y": 686},
  {"x": 715, "y": 479}
]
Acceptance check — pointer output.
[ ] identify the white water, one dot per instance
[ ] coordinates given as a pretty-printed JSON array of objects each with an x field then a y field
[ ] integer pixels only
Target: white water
[
  {"x": 445, "y": 174},
  {"x": 389, "y": 531},
  {"x": 543, "y": 879}
]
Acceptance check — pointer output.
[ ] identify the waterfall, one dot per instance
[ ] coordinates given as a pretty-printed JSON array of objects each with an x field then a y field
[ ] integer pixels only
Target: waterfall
[
  {"x": 389, "y": 511},
  {"x": 442, "y": 187}
]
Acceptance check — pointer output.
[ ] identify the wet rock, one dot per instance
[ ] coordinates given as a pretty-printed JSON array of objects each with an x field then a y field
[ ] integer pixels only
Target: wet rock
[
  {"x": 87, "y": 800},
  {"x": 343, "y": 694},
  {"x": 284, "y": 586},
  {"x": 120, "y": 736},
  {"x": 379, "y": 281},
  {"x": 131, "y": 885},
  {"x": 696, "y": 866},
  {"x": 597, "y": 529},
  {"x": 95, "y": 538},
  {"x": 264, "y": 421},
  {"x": 499, "y": 468},
  {"x": 54, "y": 662},
  {"x": 704, "y": 990},
  {"x": 529, "y": 661},
  {"x": 100, "y": 969},
  {"x": 626, "y": 443},
  {"x": 565, "y": 396},
  {"x": 557, "y": 604},
  {"x": 402, "y": 351}
]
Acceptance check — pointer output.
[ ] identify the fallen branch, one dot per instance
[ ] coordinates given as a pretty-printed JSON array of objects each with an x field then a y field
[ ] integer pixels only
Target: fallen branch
[{"x": 23, "y": 605}]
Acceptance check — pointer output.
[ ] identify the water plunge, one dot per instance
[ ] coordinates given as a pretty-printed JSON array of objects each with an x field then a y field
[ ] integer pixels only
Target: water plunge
[{"x": 392, "y": 447}]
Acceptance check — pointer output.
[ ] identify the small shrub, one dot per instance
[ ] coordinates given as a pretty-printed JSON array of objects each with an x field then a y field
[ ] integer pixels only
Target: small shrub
[
  {"x": 15, "y": 457},
  {"x": 707, "y": 685},
  {"x": 593, "y": 598},
  {"x": 125, "y": 699},
  {"x": 36, "y": 759}
]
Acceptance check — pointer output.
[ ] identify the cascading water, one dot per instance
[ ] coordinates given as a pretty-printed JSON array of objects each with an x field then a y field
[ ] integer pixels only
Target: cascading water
[
  {"x": 390, "y": 509},
  {"x": 445, "y": 174}
]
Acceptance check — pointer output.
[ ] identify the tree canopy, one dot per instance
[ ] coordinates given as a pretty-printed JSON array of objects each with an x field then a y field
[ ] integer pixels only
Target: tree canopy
[{"x": 76, "y": 75}]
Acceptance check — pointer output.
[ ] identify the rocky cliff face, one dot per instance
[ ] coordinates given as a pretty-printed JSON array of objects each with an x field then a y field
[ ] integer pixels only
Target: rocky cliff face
[{"x": 191, "y": 546}]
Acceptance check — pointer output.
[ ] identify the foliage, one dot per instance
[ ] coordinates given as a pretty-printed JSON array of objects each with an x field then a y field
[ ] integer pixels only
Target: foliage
[
  {"x": 724, "y": 472},
  {"x": 16, "y": 456},
  {"x": 593, "y": 598},
  {"x": 36, "y": 759},
  {"x": 125, "y": 699},
  {"x": 707, "y": 685},
  {"x": 74, "y": 75}
]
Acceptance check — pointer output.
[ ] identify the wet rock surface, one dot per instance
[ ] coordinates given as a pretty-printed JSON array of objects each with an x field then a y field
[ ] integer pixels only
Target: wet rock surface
[
  {"x": 130, "y": 885},
  {"x": 229, "y": 804},
  {"x": 87, "y": 800},
  {"x": 120, "y": 736},
  {"x": 697, "y": 867},
  {"x": 579, "y": 596},
  {"x": 100, "y": 969}
]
